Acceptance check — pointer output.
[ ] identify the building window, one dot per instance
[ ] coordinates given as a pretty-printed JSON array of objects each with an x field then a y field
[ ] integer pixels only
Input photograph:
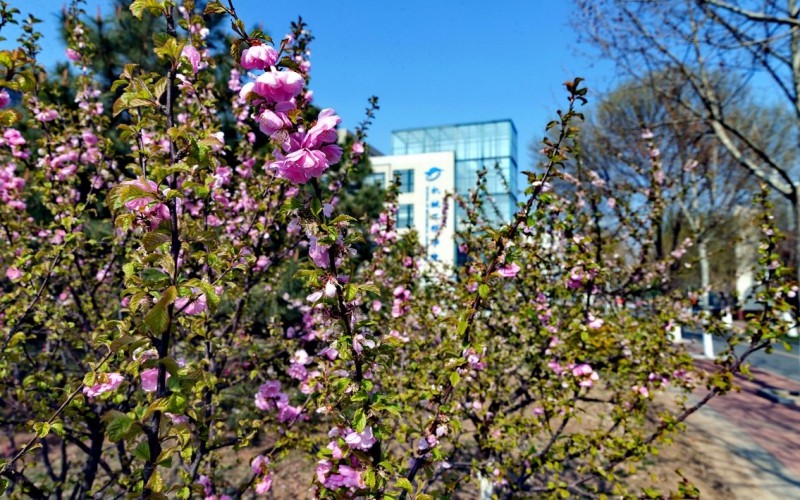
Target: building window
[
  {"x": 405, "y": 216},
  {"x": 375, "y": 179},
  {"x": 406, "y": 179}
]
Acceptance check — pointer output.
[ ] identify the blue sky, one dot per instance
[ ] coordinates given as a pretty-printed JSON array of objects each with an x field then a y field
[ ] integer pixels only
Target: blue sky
[{"x": 431, "y": 62}]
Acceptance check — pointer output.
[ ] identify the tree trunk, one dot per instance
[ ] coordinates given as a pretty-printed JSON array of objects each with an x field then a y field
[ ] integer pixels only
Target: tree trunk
[
  {"x": 796, "y": 213},
  {"x": 705, "y": 283}
]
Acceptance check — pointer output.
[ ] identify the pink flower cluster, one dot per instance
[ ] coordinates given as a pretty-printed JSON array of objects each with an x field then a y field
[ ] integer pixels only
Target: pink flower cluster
[
  {"x": 260, "y": 56},
  {"x": 307, "y": 155},
  {"x": 270, "y": 397},
  {"x": 400, "y": 305},
  {"x": 474, "y": 360},
  {"x": 146, "y": 204},
  {"x": 382, "y": 231},
  {"x": 302, "y": 154},
  {"x": 11, "y": 187},
  {"x": 105, "y": 382},
  {"x": 14, "y": 140},
  {"x": 260, "y": 467},
  {"x": 208, "y": 489},
  {"x": 345, "y": 476},
  {"x": 585, "y": 374},
  {"x": 578, "y": 277},
  {"x": 509, "y": 270}
]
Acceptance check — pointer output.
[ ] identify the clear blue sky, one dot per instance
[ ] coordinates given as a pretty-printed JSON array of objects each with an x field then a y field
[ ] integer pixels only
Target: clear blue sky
[{"x": 431, "y": 62}]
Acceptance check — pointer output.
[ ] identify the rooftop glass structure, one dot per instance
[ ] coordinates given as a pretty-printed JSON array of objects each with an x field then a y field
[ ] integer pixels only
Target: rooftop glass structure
[{"x": 492, "y": 145}]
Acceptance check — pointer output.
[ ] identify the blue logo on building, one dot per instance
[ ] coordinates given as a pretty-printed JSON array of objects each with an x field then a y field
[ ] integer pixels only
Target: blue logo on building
[{"x": 433, "y": 173}]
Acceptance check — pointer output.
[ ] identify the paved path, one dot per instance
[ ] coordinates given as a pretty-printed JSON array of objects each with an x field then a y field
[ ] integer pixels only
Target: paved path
[
  {"x": 762, "y": 437},
  {"x": 781, "y": 362}
]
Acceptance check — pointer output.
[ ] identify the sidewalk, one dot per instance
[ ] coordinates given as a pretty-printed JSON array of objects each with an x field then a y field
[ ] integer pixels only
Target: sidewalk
[{"x": 761, "y": 437}]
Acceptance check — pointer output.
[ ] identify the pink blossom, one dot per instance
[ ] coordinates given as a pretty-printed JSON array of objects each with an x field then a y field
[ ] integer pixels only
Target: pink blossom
[
  {"x": 271, "y": 389},
  {"x": 361, "y": 440},
  {"x": 271, "y": 122},
  {"x": 73, "y": 55},
  {"x": 322, "y": 470},
  {"x": 197, "y": 306},
  {"x": 194, "y": 57},
  {"x": 47, "y": 115},
  {"x": 264, "y": 484},
  {"x": 278, "y": 86},
  {"x": 259, "y": 57},
  {"x": 594, "y": 323},
  {"x": 297, "y": 371},
  {"x": 318, "y": 253},
  {"x": 336, "y": 451},
  {"x": 259, "y": 464},
  {"x": 288, "y": 413},
  {"x": 106, "y": 382},
  {"x": 582, "y": 370},
  {"x": 150, "y": 379},
  {"x": 13, "y": 273},
  {"x": 359, "y": 342},
  {"x": 323, "y": 131},
  {"x": 346, "y": 477},
  {"x": 508, "y": 271},
  {"x": 205, "y": 482},
  {"x": 5, "y": 99},
  {"x": 301, "y": 166},
  {"x": 149, "y": 188}
]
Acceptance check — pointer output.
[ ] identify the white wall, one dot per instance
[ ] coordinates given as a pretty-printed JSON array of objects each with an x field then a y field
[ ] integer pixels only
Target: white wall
[{"x": 434, "y": 176}]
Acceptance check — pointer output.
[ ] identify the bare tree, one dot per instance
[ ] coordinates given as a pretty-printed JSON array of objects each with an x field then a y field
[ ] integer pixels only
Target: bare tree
[{"x": 721, "y": 50}]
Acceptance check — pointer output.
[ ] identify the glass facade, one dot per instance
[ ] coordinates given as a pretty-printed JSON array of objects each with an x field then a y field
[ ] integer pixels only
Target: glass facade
[
  {"x": 405, "y": 216},
  {"x": 376, "y": 179},
  {"x": 490, "y": 145},
  {"x": 406, "y": 178}
]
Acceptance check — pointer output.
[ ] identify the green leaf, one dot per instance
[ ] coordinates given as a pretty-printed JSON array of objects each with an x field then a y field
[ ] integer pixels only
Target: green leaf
[
  {"x": 121, "y": 342},
  {"x": 42, "y": 429},
  {"x": 359, "y": 420},
  {"x": 405, "y": 484},
  {"x": 455, "y": 378},
  {"x": 214, "y": 8},
  {"x": 142, "y": 451},
  {"x": 369, "y": 478},
  {"x": 212, "y": 299},
  {"x": 157, "y": 318},
  {"x": 156, "y": 483},
  {"x": 483, "y": 290},
  {"x": 154, "y": 239},
  {"x": 154, "y": 277},
  {"x": 350, "y": 292},
  {"x": 9, "y": 117},
  {"x": 462, "y": 326},
  {"x": 139, "y": 6},
  {"x": 117, "y": 425},
  {"x": 58, "y": 428},
  {"x": 342, "y": 218},
  {"x": 171, "y": 365}
]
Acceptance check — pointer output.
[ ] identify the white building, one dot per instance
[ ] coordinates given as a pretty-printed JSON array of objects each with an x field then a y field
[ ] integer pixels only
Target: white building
[
  {"x": 433, "y": 161},
  {"x": 425, "y": 179}
]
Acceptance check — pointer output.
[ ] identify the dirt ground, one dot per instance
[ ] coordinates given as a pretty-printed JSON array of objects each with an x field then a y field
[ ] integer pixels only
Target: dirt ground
[{"x": 714, "y": 454}]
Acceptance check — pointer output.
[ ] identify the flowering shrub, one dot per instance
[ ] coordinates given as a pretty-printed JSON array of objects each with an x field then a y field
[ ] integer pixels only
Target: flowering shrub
[{"x": 197, "y": 303}]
